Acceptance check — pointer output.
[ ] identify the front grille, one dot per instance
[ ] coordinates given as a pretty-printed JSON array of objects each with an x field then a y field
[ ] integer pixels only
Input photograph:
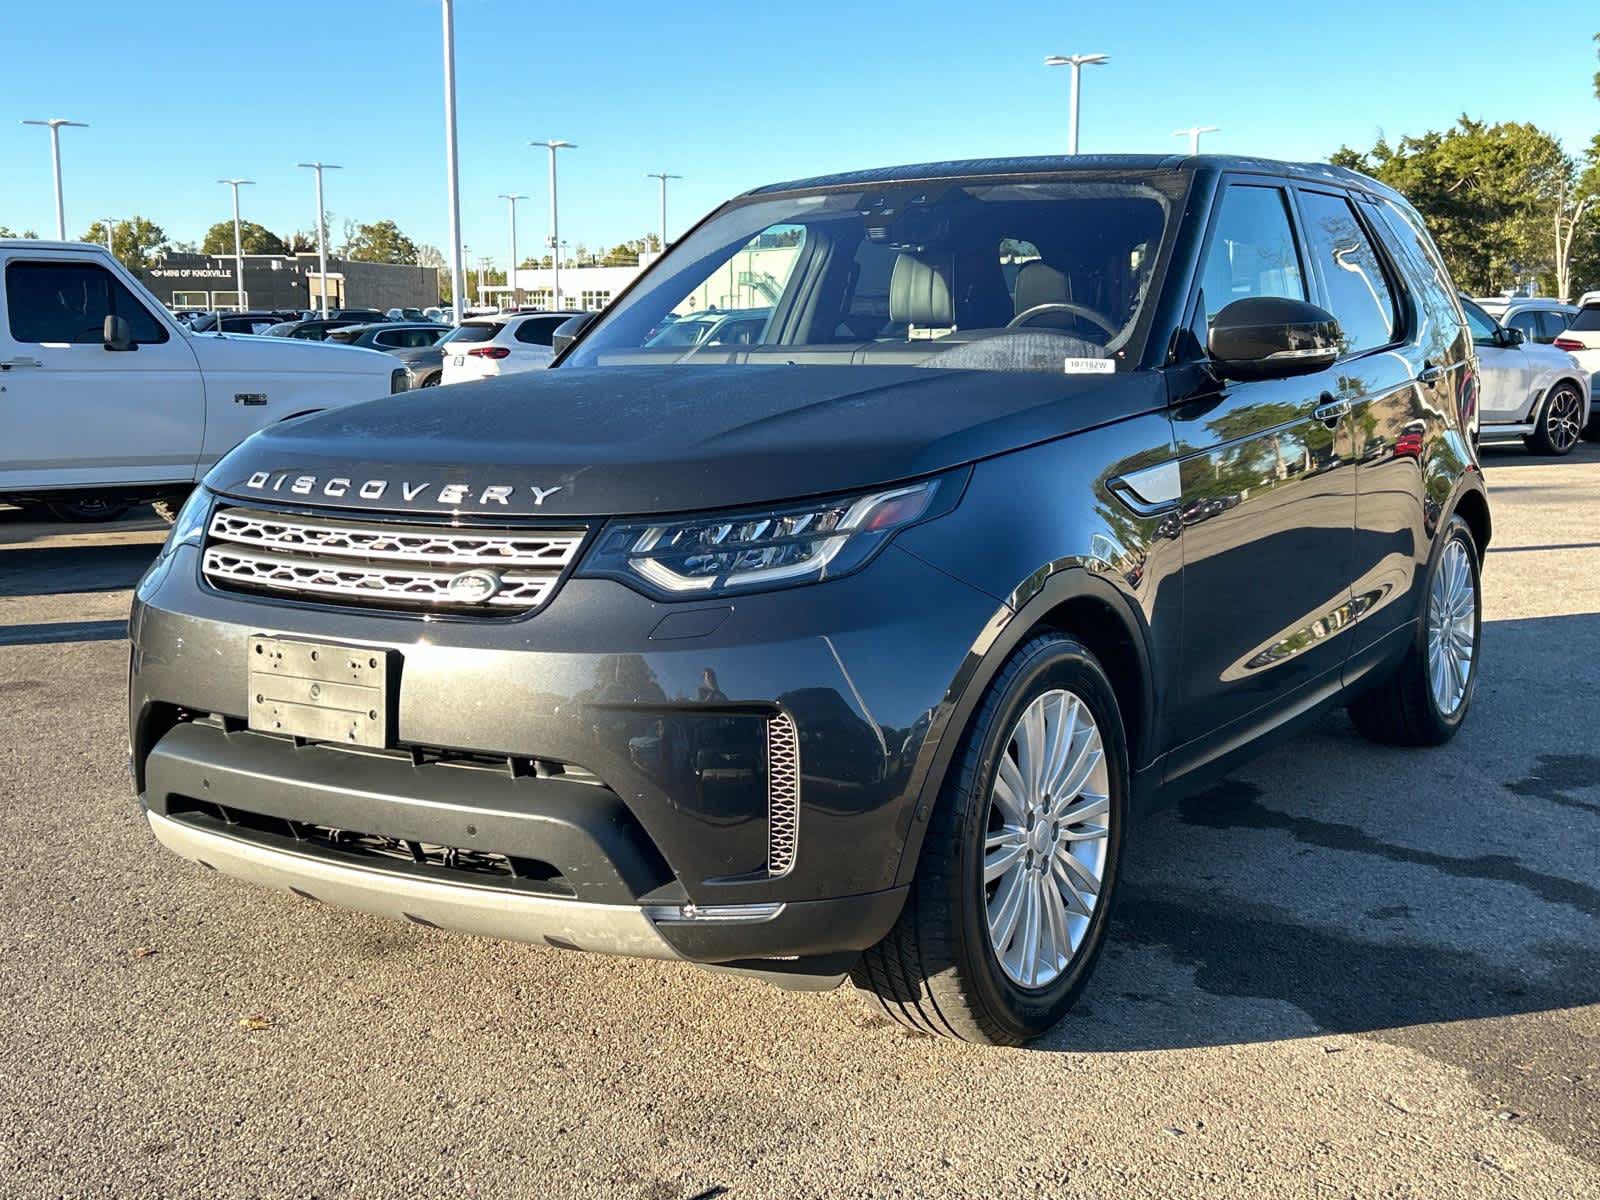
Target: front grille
[{"x": 381, "y": 564}]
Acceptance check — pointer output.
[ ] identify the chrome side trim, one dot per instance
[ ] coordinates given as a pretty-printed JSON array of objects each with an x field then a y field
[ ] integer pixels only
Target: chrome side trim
[{"x": 491, "y": 912}]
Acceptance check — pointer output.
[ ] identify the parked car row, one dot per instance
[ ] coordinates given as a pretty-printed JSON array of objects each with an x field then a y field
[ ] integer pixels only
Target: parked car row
[{"x": 1531, "y": 387}]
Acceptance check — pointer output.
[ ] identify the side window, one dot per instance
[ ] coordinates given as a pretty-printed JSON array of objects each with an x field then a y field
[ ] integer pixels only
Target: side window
[
  {"x": 1439, "y": 328},
  {"x": 1527, "y": 322},
  {"x": 1252, "y": 251},
  {"x": 1481, "y": 323},
  {"x": 387, "y": 339},
  {"x": 67, "y": 302},
  {"x": 1358, "y": 294},
  {"x": 1552, "y": 324},
  {"x": 536, "y": 332}
]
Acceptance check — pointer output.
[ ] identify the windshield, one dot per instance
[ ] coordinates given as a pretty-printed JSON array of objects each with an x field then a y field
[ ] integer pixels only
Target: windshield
[{"x": 968, "y": 274}]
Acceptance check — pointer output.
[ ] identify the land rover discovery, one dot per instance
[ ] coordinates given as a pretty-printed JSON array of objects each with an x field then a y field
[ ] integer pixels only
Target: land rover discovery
[{"x": 1045, "y": 490}]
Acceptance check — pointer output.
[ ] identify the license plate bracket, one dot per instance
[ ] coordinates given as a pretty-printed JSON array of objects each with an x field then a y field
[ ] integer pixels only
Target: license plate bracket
[{"x": 319, "y": 691}]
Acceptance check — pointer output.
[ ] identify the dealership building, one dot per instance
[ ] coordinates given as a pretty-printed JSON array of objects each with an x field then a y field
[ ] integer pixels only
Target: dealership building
[{"x": 283, "y": 281}]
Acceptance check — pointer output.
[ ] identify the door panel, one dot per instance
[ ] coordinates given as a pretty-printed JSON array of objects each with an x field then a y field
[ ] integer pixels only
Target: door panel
[
  {"x": 1268, "y": 511},
  {"x": 75, "y": 413}
]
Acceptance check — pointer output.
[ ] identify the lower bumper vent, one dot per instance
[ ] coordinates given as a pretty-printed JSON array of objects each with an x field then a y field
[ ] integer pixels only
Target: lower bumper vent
[{"x": 783, "y": 794}]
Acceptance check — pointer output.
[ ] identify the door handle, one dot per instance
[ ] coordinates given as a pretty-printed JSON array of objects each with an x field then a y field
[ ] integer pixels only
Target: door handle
[
  {"x": 1430, "y": 373},
  {"x": 1330, "y": 410},
  {"x": 7, "y": 364}
]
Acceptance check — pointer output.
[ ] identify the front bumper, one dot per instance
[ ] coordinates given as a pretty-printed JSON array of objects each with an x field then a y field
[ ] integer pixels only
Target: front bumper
[{"x": 615, "y": 743}]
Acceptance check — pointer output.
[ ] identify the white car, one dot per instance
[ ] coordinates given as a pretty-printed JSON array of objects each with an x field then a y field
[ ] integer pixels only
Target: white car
[
  {"x": 1538, "y": 393},
  {"x": 502, "y": 344},
  {"x": 110, "y": 400},
  {"x": 1581, "y": 339}
]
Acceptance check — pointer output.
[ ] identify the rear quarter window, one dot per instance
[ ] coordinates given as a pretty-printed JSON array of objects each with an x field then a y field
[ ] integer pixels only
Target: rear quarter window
[{"x": 1441, "y": 323}]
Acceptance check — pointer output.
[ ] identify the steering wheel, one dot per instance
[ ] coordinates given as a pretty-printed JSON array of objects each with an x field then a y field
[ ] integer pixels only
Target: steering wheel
[{"x": 1026, "y": 316}]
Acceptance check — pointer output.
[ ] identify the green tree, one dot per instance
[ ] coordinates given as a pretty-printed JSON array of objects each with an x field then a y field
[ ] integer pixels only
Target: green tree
[
  {"x": 382, "y": 242},
  {"x": 7, "y": 232},
  {"x": 1489, "y": 193},
  {"x": 255, "y": 239},
  {"x": 135, "y": 242}
]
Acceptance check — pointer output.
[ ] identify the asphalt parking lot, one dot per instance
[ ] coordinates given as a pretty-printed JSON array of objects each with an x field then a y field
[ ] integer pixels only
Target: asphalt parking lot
[{"x": 1346, "y": 971}]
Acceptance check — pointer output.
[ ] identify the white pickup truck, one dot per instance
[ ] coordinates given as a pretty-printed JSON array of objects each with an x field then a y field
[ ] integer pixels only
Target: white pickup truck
[{"x": 107, "y": 400}]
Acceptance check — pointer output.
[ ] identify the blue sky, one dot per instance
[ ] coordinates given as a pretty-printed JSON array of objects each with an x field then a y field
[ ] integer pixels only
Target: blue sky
[{"x": 729, "y": 96}]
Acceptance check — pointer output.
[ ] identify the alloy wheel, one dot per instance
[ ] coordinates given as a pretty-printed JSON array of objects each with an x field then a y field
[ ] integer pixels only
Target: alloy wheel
[
  {"x": 1047, "y": 837},
  {"x": 1452, "y": 628},
  {"x": 1562, "y": 421}
]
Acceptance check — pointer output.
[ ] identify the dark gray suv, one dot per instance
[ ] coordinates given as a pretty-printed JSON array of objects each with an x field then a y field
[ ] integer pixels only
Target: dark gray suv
[{"x": 1046, "y": 489}]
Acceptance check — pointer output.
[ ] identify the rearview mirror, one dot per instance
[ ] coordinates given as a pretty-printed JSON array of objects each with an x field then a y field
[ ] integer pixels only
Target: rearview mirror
[
  {"x": 567, "y": 332},
  {"x": 1511, "y": 337},
  {"x": 116, "y": 335},
  {"x": 1268, "y": 337}
]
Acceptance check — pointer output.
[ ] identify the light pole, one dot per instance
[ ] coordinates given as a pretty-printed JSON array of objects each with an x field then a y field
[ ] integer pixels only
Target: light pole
[
  {"x": 511, "y": 199},
  {"x": 553, "y": 145},
  {"x": 238, "y": 239},
  {"x": 663, "y": 177},
  {"x": 111, "y": 244},
  {"x": 1077, "y": 62},
  {"x": 484, "y": 262},
  {"x": 1193, "y": 134},
  {"x": 55, "y": 124},
  {"x": 452, "y": 163},
  {"x": 322, "y": 230}
]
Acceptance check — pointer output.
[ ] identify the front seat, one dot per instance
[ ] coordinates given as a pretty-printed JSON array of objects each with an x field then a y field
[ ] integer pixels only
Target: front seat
[
  {"x": 920, "y": 296},
  {"x": 1039, "y": 283}
]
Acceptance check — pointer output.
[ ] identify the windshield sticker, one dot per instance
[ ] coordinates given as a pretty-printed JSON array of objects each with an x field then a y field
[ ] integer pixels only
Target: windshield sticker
[{"x": 1091, "y": 366}]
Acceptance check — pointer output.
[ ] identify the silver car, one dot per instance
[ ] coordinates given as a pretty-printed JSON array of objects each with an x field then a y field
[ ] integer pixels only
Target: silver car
[
  {"x": 1526, "y": 390},
  {"x": 1538, "y": 318}
]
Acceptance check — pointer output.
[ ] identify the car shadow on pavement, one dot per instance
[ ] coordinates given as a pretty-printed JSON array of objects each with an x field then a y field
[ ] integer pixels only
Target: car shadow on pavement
[
  {"x": 57, "y": 570},
  {"x": 1514, "y": 454},
  {"x": 1336, "y": 886},
  {"x": 53, "y": 633}
]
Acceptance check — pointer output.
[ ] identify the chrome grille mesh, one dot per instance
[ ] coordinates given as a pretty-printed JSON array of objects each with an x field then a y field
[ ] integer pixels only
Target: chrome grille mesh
[
  {"x": 383, "y": 565},
  {"x": 783, "y": 794}
]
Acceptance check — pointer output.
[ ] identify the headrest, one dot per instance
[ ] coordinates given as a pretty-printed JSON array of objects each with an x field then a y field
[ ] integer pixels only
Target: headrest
[
  {"x": 1039, "y": 283},
  {"x": 919, "y": 293}
]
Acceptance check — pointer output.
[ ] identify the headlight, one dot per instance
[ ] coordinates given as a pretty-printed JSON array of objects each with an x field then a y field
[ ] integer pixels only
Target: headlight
[
  {"x": 806, "y": 542},
  {"x": 190, "y": 527}
]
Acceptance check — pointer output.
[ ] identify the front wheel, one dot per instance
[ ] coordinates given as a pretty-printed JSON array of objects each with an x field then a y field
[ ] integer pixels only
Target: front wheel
[
  {"x": 1008, "y": 909},
  {"x": 1426, "y": 698},
  {"x": 1561, "y": 422}
]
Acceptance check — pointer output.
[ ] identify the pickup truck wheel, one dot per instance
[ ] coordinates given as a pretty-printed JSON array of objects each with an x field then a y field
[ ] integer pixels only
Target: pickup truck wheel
[
  {"x": 1008, "y": 909},
  {"x": 87, "y": 509},
  {"x": 168, "y": 507},
  {"x": 1560, "y": 423},
  {"x": 1426, "y": 698}
]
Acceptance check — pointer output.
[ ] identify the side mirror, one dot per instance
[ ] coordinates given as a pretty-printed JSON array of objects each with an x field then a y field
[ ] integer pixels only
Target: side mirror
[
  {"x": 116, "y": 335},
  {"x": 1267, "y": 337},
  {"x": 1511, "y": 337},
  {"x": 567, "y": 332}
]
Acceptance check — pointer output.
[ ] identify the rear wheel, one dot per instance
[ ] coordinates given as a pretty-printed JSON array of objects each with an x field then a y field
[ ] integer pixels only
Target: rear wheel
[
  {"x": 1008, "y": 909},
  {"x": 1561, "y": 422},
  {"x": 1426, "y": 698},
  {"x": 87, "y": 509}
]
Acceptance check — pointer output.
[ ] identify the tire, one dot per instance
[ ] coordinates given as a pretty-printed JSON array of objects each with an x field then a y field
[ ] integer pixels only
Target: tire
[
  {"x": 1404, "y": 709},
  {"x": 1559, "y": 422},
  {"x": 936, "y": 972},
  {"x": 431, "y": 380},
  {"x": 87, "y": 509},
  {"x": 167, "y": 507}
]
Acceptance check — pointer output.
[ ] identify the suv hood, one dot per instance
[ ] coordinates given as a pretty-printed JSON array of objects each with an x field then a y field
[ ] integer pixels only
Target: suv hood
[
  {"x": 610, "y": 441},
  {"x": 245, "y": 352}
]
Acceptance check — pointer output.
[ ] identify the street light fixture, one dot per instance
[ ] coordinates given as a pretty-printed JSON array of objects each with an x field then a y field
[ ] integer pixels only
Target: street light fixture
[
  {"x": 553, "y": 145},
  {"x": 1077, "y": 62},
  {"x": 238, "y": 240},
  {"x": 452, "y": 162},
  {"x": 322, "y": 230},
  {"x": 55, "y": 125},
  {"x": 511, "y": 199},
  {"x": 1193, "y": 134},
  {"x": 663, "y": 177}
]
